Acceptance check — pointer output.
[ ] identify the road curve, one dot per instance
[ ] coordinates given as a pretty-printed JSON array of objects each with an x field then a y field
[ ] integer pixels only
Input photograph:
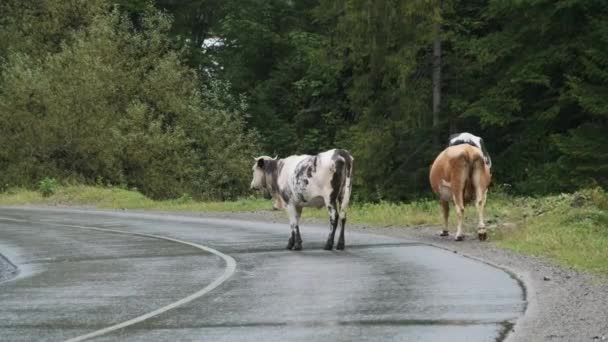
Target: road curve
[{"x": 75, "y": 281}]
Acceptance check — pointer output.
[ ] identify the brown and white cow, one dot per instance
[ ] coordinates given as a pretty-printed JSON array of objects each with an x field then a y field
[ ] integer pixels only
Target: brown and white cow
[
  {"x": 461, "y": 173},
  {"x": 302, "y": 181}
]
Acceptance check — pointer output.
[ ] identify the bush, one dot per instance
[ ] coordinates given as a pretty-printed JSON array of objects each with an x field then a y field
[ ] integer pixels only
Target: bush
[
  {"x": 117, "y": 104},
  {"x": 183, "y": 199},
  {"x": 48, "y": 186}
]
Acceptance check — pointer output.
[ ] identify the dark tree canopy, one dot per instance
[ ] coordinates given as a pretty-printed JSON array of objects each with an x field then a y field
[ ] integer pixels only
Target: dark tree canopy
[{"x": 181, "y": 86}]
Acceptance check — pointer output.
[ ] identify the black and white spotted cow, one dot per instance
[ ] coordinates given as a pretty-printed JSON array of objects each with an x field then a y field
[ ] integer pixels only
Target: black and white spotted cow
[
  {"x": 315, "y": 181},
  {"x": 468, "y": 138}
]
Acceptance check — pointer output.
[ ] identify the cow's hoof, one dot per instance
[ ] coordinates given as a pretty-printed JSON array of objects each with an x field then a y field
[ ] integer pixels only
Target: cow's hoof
[
  {"x": 297, "y": 247},
  {"x": 483, "y": 236},
  {"x": 328, "y": 247},
  {"x": 459, "y": 238},
  {"x": 290, "y": 244},
  {"x": 340, "y": 246},
  {"x": 444, "y": 233}
]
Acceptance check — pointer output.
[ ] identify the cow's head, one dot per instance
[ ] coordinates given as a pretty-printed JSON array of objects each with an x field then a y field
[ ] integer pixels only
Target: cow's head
[{"x": 260, "y": 168}]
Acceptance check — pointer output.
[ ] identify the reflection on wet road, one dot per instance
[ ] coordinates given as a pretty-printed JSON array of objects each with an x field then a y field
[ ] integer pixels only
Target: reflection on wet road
[{"x": 76, "y": 281}]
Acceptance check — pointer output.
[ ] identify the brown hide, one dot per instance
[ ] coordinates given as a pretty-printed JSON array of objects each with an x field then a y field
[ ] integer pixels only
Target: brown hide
[
  {"x": 460, "y": 175},
  {"x": 454, "y": 167}
]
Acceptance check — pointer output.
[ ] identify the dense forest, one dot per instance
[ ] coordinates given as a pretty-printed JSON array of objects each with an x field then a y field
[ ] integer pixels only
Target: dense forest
[{"x": 175, "y": 97}]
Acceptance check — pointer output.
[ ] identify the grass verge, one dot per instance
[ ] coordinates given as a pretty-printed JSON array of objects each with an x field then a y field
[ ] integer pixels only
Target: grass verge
[
  {"x": 117, "y": 198},
  {"x": 571, "y": 229}
]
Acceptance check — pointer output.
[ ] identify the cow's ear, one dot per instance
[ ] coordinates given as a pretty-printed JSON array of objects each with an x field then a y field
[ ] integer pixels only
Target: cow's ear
[{"x": 261, "y": 163}]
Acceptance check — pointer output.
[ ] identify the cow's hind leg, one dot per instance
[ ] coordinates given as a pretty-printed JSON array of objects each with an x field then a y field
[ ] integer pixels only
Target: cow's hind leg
[
  {"x": 333, "y": 224},
  {"x": 480, "y": 183},
  {"x": 291, "y": 240},
  {"x": 459, "y": 206},
  {"x": 458, "y": 179},
  {"x": 344, "y": 201},
  {"x": 480, "y": 202},
  {"x": 298, "y": 240},
  {"x": 295, "y": 241},
  {"x": 445, "y": 209},
  {"x": 341, "y": 243},
  {"x": 291, "y": 212}
]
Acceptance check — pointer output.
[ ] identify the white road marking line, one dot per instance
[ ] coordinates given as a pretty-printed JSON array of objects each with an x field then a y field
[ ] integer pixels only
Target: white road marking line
[{"x": 230, "y": 269}]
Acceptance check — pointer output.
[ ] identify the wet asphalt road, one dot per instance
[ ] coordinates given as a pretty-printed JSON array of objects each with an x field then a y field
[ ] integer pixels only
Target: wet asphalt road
[{"x": 74, "y": 281}]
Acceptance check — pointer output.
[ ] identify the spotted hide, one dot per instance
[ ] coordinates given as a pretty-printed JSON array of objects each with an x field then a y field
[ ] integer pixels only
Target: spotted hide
[
  {"x": 322, "y": 180},
  {"x": 459, "y": 175}
]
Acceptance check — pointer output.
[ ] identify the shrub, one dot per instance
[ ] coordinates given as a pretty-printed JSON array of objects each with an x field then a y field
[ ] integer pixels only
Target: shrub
[
  {"x": 117, "y": 104},
  {"x": 48, "y": 186},
  {"x": 184, "y": 198}
]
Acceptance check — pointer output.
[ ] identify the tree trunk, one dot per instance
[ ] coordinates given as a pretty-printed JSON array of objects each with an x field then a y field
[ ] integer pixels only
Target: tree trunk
[
  {"x": 437, "y": 83},
  {"x": 437, "y": 76}
]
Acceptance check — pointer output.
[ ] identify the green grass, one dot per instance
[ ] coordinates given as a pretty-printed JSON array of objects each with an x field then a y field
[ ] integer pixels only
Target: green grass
[
  {"x": 116, "y": 198},
  {"x": 385, "y": 214},
  {"x": 423, "y": 212},
  {"x": 571, "y": 229}
]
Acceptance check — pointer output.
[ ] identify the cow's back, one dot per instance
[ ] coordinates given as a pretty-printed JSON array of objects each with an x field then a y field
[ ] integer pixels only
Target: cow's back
[
  {"x": 454, "y": 161},
  {"x": 306, "y": 179}
]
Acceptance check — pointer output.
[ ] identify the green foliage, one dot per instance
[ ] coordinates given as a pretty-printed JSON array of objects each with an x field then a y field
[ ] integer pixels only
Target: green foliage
[
  {"x": 184, "y": 198},
  {"x": 48, "y": 186},
  {"x": 530, "y": 74},
  {"x": 35, "y": 28},
  {"x": 569, "y": 228},
  {"x": 130, "y": 95},
  {"x": 327, "y": 74},
  {"x": 116, "y": 101}
]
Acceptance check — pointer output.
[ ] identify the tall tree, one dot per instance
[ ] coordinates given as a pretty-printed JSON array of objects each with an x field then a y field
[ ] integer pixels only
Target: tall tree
[
  {"x": 514, "y": 65},
  {"x": 437, "y": 74},
  {"x": 384, "y": 52},
  {"x": 585, "y": 145}
]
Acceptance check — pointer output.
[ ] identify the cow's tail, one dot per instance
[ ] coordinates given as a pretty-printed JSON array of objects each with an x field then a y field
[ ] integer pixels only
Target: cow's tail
[
  {"x": 476, "y": 170},
  {"x": 459, "y": 185},
  {"x": 342, "y": 180}
]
